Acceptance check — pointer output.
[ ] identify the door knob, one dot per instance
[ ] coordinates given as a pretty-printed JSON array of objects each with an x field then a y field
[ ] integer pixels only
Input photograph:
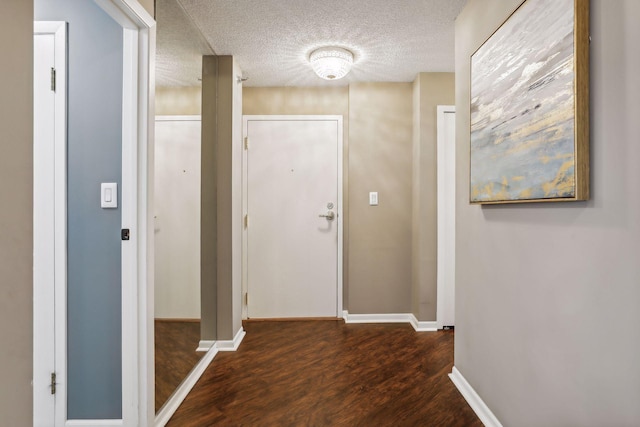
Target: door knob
[{"x": 329, "y": 215}]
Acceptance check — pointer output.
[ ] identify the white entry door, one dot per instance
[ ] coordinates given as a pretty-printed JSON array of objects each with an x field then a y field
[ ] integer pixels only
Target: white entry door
[{"x": 293, "y": 200}]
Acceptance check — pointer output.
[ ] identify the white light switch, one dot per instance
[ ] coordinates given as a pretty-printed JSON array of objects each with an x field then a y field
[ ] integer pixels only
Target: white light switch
[
  {"x": 109, "y": 195},
  {"x": 373, "y": 198}
]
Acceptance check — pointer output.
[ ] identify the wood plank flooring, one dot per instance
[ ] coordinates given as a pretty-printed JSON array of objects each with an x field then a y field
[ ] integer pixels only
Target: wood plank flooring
[
  {"x": 328, "y": 373},
  {"x": 175, "y": 344}
]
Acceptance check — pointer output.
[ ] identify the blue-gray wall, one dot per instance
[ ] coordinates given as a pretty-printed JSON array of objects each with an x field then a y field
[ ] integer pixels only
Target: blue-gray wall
[{"x": 94, "y": 156}]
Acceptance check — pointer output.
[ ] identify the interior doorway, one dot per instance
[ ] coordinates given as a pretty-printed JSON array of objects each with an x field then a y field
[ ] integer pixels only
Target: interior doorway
[
  {"x": 49, "y": 223},
  {"x": 293, "y": 227},
  {"x": 446, "y": 140}
]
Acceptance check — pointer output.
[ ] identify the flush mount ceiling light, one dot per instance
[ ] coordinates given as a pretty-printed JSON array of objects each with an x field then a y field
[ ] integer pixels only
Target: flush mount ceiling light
[{"x": 331, "y": 63}]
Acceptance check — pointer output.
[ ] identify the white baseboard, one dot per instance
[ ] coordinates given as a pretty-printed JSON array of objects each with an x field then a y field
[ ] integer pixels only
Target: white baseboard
[
  {"x": 93, "y": 423},
  {"x": 473, "y": 399},
  {"x": 419, "y": 326},
  {"x": 423, "y": 326},
  {"x": 175, "y": 400},
  {"x": 233, "y": 344},
  {"x": 205, "y": 345}
]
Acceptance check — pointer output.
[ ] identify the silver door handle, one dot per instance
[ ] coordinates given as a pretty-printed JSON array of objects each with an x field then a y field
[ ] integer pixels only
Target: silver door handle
[{"x": 329, "y": 215}]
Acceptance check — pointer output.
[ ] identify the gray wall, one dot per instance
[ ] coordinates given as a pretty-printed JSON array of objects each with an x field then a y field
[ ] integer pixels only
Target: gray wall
[
  {"x": 94, "y": 156},
  {"x": 548, "y": 295},
  {"x": 16, "y": 214}
]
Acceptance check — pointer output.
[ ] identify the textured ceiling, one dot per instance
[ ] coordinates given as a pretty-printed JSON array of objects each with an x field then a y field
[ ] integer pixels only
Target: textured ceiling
[
  {"x": 392, "y": 40},
  {"x": 179, "y": 48}
]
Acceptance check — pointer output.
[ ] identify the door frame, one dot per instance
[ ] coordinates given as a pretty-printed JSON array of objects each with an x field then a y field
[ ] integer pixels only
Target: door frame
[
  {"x": 138, "y": 92},
  {"x": 139, "y": 38},
  {"x": 45, "y": 310},
  {"x": 340, "y": 215},
  {"x": 446, "y": 171}
]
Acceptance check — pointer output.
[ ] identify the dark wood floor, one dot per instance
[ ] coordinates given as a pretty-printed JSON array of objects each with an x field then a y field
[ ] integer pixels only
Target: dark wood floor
[
  {"x": 327, "y": 373},
  {"x": 176, "y": 343}
]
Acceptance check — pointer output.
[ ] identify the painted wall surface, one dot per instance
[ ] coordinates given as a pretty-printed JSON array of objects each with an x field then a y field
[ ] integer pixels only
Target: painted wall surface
[
  {"x": 309, "y": 101},
  {"x": 94, "y": 257},
  {"x": 380, "y": 159},
  {"x": 429, "y": 91},
  {"x": 221, "y": 198},
  {"x": 149, "y": 5},
  {"x": 16, "y": 215},
  {"x": 209, "y": 201},
  {"x": 177, "y": 219},
  {"x": 229, "y": 199},
  {"x": 179, "y": 101},
  {"x": 547, "y": 295}
]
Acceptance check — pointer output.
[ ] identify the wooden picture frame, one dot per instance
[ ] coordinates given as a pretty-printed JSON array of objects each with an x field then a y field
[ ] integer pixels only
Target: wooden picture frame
[{"x": 530, "y": 107}]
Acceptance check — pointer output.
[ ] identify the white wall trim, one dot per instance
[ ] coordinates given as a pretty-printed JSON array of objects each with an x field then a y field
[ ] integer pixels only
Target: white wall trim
[
  {"x": 232, "y": 345},
  {"x": 177, "y": 397},
  {"x": 473, "y": 399},
  {"x": 419, "y": 326},
  {"x": 205, "y": 345},
  {"x": 423, "y": 326},
  {"x": 94, "y": 423},
  {"x": 44, "y": 312},
  {"x": 139, "y": 36}
]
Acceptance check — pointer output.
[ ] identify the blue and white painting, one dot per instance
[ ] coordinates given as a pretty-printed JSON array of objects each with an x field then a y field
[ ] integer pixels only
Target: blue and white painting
[{"x": 523, "y": 107}]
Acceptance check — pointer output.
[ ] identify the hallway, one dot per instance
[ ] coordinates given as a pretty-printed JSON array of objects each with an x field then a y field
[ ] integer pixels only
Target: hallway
[{"x": 328, "y": 373}]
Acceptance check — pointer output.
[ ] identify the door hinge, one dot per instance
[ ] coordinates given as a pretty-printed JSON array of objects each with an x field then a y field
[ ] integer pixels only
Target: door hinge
[
  {"x": 246, "y": 221},
  {"x": 53, "y": 383},
  {"x": 246, "y": 142},
  {"x": 246, "y": 298},
  {"x": 53, "y": 79}
]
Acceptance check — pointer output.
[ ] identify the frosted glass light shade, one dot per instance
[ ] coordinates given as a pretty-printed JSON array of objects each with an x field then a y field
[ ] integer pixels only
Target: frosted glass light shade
[{"x": 331, "y": 63}]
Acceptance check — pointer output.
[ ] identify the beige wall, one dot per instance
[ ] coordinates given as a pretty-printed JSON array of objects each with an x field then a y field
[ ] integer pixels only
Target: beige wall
[
  {"x": 295, "y": 100},
  {"x": 221, "y": 202},
  {"x": 149, "y": 5},
  {"x": 429, "y": 91},
  {"x": 548, "y": 295},
  {"x": 380, "y": 159},
  {"x": 16, "y": 214},
  {"x": 229, "y": 190},
  {"x": 208, "y": 202},
  {"x": 179, "y": 101}
]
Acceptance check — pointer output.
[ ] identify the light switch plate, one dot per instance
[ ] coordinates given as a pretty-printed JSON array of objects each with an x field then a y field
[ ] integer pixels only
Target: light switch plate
[
  {"x": 109, "y": 195},
  {"x": 373, "y": 198}
]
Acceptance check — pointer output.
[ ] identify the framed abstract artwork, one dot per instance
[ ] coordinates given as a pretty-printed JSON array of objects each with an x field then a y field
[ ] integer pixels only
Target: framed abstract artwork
[{"x": 530, "y": 106}]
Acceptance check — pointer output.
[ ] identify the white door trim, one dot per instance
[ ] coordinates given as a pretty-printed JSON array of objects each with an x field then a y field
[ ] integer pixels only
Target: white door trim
[
  {"x": 443, "y": 196},
  {"x": 45, "y": 310},
  {"x": 340, "y": 217},
  {"x": 139, "y": 33}
]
